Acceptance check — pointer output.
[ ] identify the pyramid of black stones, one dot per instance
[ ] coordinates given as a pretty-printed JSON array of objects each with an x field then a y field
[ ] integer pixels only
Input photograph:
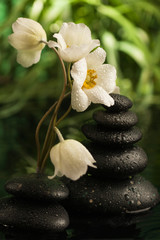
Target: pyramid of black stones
[
  {"x": 35, "y": 203},
  {"x": 115, "y": 187}
]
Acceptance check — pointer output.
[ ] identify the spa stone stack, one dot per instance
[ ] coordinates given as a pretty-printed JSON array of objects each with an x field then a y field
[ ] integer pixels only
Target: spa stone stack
[
  {"x": 114, "y": 187},
  {"x": 35, "y": 203}
]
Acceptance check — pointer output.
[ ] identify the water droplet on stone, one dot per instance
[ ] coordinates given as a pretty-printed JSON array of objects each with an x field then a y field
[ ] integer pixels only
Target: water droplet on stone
[
  {"x": 139, "y": 203},
  {"x": 131, "y": 202},
  {"x": 133, "y": 189},
  {"x": 126, "y": 197}
]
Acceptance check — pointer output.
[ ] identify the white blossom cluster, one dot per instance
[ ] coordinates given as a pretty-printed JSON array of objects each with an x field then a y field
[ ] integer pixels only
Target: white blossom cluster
[{"x": 93, "y": 80}]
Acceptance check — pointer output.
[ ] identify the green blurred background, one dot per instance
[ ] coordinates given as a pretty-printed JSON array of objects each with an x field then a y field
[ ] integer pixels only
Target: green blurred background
[{"x": 129, "y": 31}]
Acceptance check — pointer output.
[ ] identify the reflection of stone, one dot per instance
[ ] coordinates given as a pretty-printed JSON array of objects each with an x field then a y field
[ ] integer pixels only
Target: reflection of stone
[
  {"x": 112, "y": 188},
  {"x": 35, "y": 204}
]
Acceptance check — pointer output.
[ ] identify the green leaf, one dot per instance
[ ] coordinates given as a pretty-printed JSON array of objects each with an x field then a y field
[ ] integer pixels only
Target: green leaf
[
  {"x": 130, "y": 29},
  {"x": 134, "y": 52}
]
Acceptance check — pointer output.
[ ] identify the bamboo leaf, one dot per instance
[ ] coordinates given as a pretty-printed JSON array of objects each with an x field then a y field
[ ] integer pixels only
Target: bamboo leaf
[
  {"x": 129, "y": 28},
  {"x": 134, "y": 52}
]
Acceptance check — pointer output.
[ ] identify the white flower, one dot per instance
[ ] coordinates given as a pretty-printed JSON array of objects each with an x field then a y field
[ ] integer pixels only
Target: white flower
[
  {"x": 27, "y": 39},
  {"x": 74, "y": 41},
  {"x": 70, "y": 158},
  {"x": 93, "y": 81}
]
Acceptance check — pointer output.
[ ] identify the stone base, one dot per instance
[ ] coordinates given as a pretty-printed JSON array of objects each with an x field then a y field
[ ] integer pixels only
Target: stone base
[
  {"x": 98, "y": 196},
  {"x": 34, "y": 216}
]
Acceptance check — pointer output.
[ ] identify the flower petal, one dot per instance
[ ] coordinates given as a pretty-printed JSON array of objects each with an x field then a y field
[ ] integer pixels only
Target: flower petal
[
  {"x": 76, "y": 34},
  {"x": 27, "y": 58},
  {"x": 25, "y": 41},
  {"x": 88, "y": 157},
  {"x": 70, "y": 158},
  {"x": 106, "y": 77},
  {"x": 79, "y": 72},
  {"x": 75, "y": 53},
  {"x": 61, "y": 41},
  {"x": 74, "y": 163},
  {"x": 98, "y": 95},
  {"x": 55, "y": 159},
  {"x": 75, "y": 41},
  {"x": 96, "y": 58},
  {"x": 53, "y": 44},
  {"x": 27, "y": 38},
  {"x": 94, "y": 43},
  {"x": 29, "y": 26},
  {"x": 79, "y": 99},
  {"x": 116, "y": 90}
]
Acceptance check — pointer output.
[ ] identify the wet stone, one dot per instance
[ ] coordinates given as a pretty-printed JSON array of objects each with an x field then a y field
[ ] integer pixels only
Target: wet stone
[
  {"x": 113, "y": 188},
  {"x": 37, "y": 186},
  {"x": 33, "y": 216},
  {"x": 115, "y": 120},
  {"x": 96, "y": 196},
  {"x": 121, "y": 103},
  {"x": 105, "y": 136},
  {"x": 117, "y": 163}
]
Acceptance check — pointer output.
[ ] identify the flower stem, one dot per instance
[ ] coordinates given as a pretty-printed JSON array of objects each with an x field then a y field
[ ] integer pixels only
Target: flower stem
[
  {"x": 69, "y": 76},
  {"x": 47, "y": 138},
  {"x": 61, "y": 139},
  {"x": 47, "y": 153},
  {"x": 50, "y": 132},
  {"x": 64, "y": 115},
  {"x": 37, "y": 134}
]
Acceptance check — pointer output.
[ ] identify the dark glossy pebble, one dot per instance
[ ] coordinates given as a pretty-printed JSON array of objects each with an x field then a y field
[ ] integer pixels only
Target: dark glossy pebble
[
  {"x": 121, "y": 103},
  {"x": 15, "y": 213},
  {"x": 38, "y": 187},
  {"x": 117, "y": 163},
  {"x": 105, "y": 136},
  {"x": 115, "y": 120},
  {"x": 96, "y": 196}
]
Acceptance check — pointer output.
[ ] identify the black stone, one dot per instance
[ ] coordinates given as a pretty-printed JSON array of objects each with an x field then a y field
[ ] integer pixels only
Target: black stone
[
  {"x": 121, "y": 103},
  {"x": 113, "y": 188},
  {"x": 111, "y": 137},
  {"x": 20, "y": 214},
  {"x": 96, "y": 196},
  {"x": 115, "y": 120},
  {"x": 117, "y": 163},
  {"x": 37, "y": 186}
]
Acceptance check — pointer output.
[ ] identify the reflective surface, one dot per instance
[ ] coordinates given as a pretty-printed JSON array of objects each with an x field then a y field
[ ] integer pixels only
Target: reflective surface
[{"x": 146, "y": 227}]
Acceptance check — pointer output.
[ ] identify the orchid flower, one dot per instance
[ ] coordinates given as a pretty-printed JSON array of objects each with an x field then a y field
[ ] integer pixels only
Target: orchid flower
[
  {"x": 70, "y": 158},
  {"x": 93, "y": 81},
  {"x": 74, "y": 41},
  {"x": 28, "y": 38}
]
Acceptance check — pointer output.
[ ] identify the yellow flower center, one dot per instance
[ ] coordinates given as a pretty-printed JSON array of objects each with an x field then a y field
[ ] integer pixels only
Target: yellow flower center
[{"x": 90, "y": 79}]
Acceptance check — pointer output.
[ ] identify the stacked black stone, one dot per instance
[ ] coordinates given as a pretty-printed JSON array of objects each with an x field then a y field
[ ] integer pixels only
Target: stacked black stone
[
  {"x": 34, "y": 204},
  {"x": 113, "y": 188}
]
